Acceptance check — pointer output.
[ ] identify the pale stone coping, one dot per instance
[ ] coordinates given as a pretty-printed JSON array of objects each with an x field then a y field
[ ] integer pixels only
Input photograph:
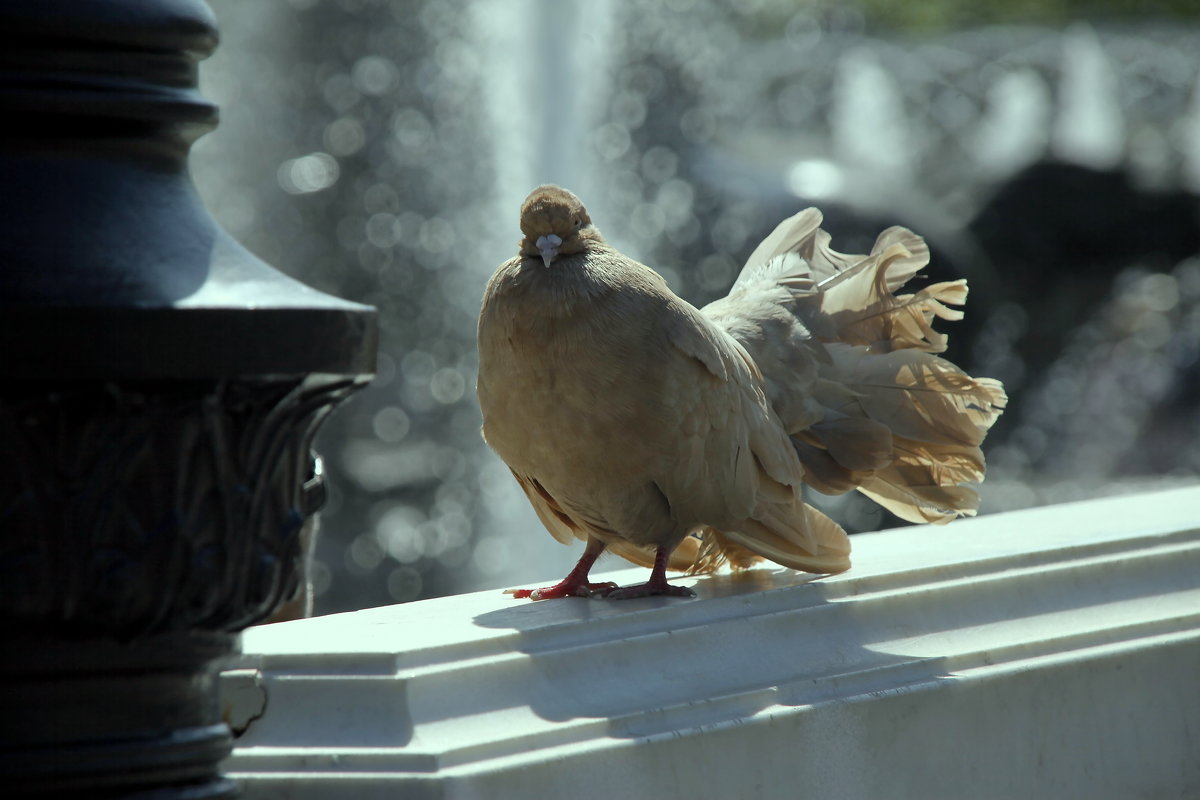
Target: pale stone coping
[{"x": 996, "y": 657}]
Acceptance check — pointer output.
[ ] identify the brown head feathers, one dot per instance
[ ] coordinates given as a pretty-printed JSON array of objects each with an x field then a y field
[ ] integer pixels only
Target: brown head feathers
[{"x": 552, "y": 213}]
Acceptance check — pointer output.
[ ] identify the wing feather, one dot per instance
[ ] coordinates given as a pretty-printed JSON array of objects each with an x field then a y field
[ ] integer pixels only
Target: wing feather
[
  {"x": 745, "y": 498},
  {"x": 560, "y": 524}
]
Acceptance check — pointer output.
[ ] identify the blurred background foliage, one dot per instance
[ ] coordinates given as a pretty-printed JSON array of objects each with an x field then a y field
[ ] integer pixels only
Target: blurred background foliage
[
  {"x": 1048, "y": 150},
  {"x": 937, "y": 16}
]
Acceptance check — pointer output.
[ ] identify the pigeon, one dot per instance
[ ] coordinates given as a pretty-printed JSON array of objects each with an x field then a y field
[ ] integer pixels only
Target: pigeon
[{"x": 683, "y": 438}]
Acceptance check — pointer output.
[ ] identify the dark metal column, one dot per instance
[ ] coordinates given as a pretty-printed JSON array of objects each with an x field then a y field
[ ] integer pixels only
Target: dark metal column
[{"x": 159, "y": 390}]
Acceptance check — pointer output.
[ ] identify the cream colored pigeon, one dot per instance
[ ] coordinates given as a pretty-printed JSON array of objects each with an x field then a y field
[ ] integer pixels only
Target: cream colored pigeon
[{"x": 682, "y": 438}]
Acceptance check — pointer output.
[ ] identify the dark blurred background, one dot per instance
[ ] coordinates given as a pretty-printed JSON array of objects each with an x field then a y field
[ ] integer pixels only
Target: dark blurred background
[{"x": 1049, "y": 152}]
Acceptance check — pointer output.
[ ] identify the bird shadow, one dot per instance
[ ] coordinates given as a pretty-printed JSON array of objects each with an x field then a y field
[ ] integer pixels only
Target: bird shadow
[
  {"x": 748, "y": 641},
  {"x": 529, "y": 616}
]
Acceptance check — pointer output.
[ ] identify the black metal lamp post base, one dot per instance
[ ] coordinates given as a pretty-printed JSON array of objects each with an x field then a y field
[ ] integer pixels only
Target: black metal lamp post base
[
  {"x": 159, "y": 391},
  {"x": 101, "y": 718}
]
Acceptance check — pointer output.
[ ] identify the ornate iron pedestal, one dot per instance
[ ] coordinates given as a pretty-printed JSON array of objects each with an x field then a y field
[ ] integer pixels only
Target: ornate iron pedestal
[{"x": 159, "y": 390}]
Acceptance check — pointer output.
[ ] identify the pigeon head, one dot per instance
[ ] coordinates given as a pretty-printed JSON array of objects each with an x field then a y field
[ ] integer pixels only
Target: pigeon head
[{"x": 555, "y": 224}]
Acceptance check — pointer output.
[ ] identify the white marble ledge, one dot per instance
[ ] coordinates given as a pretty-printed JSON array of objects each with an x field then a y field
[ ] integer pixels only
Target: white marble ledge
[{"x": 1053, "y": 652}]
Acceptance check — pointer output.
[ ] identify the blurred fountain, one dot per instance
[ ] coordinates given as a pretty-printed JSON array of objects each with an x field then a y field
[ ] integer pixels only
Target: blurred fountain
[
  {"x": 869, "y": 128},
  {"x": 1089, "y": 128},
  {"x": 542, "y": 107},
  {"x": 1013, "y": 131},
  {"x": 1188, "y": 138}
]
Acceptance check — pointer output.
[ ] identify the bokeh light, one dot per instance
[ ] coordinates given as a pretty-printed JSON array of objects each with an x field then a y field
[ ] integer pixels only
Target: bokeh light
[{"x": 380, "y": 151}]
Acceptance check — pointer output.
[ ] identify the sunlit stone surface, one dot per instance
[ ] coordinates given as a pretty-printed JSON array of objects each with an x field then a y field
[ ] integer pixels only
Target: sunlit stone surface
[{"x": 1044, "y": 653}]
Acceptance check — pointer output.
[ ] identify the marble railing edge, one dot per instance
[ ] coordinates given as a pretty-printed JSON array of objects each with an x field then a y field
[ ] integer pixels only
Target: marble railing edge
[{"x": 440, "y": 689}]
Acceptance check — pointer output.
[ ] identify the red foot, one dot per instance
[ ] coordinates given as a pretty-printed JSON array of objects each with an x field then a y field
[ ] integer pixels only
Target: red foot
[
  {"x": 649, "y": 589},
  {"x": 576, "y": 584},
  {"x": 567, "y": 588}
]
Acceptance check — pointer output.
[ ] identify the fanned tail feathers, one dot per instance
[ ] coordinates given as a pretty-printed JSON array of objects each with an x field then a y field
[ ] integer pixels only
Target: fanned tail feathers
[{"x": 895, "y": 421}]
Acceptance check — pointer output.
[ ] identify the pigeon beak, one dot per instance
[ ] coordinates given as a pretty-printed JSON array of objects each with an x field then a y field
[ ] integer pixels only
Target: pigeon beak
[{"x": 548, "y": 247}]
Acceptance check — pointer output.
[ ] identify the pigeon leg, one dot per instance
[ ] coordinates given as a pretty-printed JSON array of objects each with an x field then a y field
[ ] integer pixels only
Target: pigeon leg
[
  {"x": 657, "y": 585},
  {"x": 576, "y": 583}
]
